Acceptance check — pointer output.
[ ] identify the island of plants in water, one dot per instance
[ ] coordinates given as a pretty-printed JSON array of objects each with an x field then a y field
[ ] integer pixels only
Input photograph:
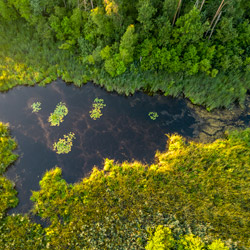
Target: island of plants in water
[
  {"x": 59, "y": 113},
  {"x": 36, "y": 107},
  {"x": 63, "y": 146},
  {"x": 195, "y": 196},
  {"x": 98, "y": 105},
  {"x": 199, "y": 48}
]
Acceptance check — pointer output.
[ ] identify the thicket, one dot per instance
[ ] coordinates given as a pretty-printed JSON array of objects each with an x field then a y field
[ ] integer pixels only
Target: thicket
[
  {"x": 206, "y": 186},
  {"x": 7, "y": 192},
  {"x": 192, "y": 195},
  {"x": 199, "y": 48}
]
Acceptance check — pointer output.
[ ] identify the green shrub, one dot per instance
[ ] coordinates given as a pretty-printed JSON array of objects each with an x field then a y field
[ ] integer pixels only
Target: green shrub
[
  {"x": 8, "y": 197},
  {"x": 7, "y": 145},
  {"x": 18, "y": 232}
]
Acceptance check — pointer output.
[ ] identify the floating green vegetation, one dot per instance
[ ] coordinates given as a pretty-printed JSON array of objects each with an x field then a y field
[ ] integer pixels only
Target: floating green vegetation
[
  {"x": 63, "y": 146},
  {"x": 96, "y": 112},
  {"x": 36, "y": 106},
  {"x": 153, "y": 115},
  {"x": 57, "y": 116}
]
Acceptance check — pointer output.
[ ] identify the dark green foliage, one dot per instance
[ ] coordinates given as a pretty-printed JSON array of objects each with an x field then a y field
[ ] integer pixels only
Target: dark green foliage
[{"x": 114, "y": 41}]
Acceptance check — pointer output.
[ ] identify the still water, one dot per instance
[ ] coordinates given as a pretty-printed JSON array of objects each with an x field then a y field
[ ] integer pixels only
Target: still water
[{"x": 124, "y": 132}]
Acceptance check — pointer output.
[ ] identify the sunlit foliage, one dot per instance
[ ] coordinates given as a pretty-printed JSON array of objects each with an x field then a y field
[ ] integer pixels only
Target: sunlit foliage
[
  {"x": 153, "y": 115},
  {"x": 206, "y": 186},
  {"x": 114, "y": 208},
  {"x": 7, "y": 145},
  {"x": 98, "y": 105},
  {"x": 59, "y": 113},
  {"x": 18, "y": 232},
  {"x": 63, "y": 146},
  {"x": 36, "y": 107},
  {"x": 163, "y": 239},
  {"x": 7, "y": 196}
]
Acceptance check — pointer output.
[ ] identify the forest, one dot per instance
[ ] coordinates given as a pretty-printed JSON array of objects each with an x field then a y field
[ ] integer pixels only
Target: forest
[
  {"x": 194, "y": 196},
  {"x": 197, "y": 48}
]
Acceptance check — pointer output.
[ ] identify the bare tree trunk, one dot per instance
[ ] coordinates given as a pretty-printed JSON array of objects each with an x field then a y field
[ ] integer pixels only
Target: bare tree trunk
[
  {"x": 196, "y": 4},
  {"x": 216, "y": 14},
  {"x": 92, "y": 5},
  {"x": 217, "y": 20},
  {"x": 177, "y": 11},
  {"x": 202, "y": 4}
]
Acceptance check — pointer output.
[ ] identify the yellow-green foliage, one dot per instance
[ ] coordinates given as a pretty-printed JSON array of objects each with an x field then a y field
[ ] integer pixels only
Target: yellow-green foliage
[
  {"x": 17, "y": 232},
  {"x": 190, "y": 242},
  {"x": 7, "y": 191},
  {"x": 211, "y": 182},
  {"x": 200, "y": 183},
  {"x": 7, "y": 195},
  {"x": 7, "y": 145},
  {"x": 13, "y": 73},
  {"x": 98, "y": 105},
  {"x": 54, "y": 193},
  {"x": 63, "y": 146},
  {"x": 163, "y": 239},
  {"x": 57, "y": 116}
]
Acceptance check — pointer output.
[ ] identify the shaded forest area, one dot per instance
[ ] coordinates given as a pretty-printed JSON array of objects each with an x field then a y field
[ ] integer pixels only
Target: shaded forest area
[{"x": 199, "y": 48}]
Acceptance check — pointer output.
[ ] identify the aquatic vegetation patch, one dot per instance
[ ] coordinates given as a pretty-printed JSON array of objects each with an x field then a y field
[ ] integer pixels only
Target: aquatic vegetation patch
[
  {"x": 63, "y": 146},
  {"x": 57, "y": 116},
  {"x": 98, "y": 105},
  {"x": 36, "y": 106},
  {"x": 153, "y": 115}
]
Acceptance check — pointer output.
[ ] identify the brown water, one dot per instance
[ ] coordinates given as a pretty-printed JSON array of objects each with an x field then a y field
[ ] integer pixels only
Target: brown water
[{"x": 124, "y": 132}]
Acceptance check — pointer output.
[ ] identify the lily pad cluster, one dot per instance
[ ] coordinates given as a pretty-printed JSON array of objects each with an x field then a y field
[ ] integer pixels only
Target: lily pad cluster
[
  {"x": 153, "y": 115},
  {"x": 63, "y": 146},
  {"x": 57, "y": 116},
  {"x": 36, "y": 106},
  {"x": 98, "y": 105}
]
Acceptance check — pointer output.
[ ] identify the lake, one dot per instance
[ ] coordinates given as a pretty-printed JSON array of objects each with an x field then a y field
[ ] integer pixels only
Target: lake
[{"x": 124, "y": 132}]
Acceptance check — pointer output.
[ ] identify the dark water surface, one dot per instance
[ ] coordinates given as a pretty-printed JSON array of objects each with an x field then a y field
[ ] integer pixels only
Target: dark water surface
[{"x": 124, "y": 132}]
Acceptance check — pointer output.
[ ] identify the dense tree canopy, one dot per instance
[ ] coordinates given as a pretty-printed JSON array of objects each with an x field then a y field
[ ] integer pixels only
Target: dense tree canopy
[{"x": 116, "y": 41}]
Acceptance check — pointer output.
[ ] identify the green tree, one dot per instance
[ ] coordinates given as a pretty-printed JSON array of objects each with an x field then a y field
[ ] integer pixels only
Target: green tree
[{"x": 146, "y": 12}]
